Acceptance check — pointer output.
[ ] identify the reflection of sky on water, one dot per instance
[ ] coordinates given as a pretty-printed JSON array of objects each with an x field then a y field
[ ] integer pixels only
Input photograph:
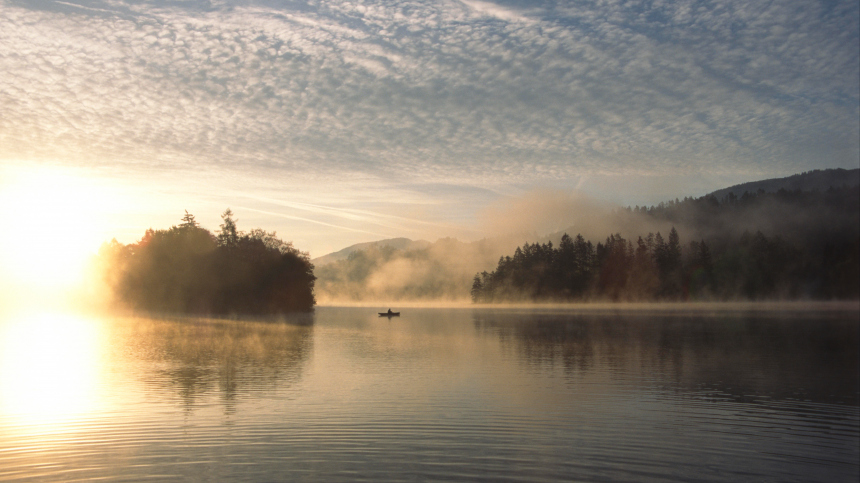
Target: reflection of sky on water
[
  {"x": 805, "y": 356},
  {"x": 230, "y": 358},
  {"x": 59, "y": 369},
  {"x": 50, "y": 369},
  {"x": 438, "y": 394}
]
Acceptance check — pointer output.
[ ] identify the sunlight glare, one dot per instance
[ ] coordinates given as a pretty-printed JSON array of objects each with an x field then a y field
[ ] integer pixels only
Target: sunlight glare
[
  {"x": 49, "y": 369},
  {"x": 53, "y": 226}
]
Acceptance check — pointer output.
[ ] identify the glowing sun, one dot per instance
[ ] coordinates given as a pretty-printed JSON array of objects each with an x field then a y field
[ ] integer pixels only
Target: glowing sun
[{"x": 51, "y": 226}]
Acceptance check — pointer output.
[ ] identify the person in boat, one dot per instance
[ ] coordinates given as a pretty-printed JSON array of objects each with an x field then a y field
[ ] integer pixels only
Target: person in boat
[{"x": 389, "y": 312}]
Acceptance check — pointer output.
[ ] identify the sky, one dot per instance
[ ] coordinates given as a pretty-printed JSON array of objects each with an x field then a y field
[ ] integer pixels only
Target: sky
[{"x": 339, "y": 122}]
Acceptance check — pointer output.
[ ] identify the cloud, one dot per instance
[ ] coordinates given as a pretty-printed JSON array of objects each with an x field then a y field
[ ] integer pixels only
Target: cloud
[
  {"x": 494, "y": 10},
  {"x": 582, "y": 89},
  {"x": 467, "y": 93},
  {"x": 311, "y": 220}
]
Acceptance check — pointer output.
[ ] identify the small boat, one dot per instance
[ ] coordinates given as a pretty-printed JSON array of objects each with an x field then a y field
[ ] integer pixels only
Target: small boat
[{"x": 389, "y": 314}]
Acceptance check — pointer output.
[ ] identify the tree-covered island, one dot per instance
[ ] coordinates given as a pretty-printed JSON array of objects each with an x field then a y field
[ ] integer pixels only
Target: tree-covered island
[{"x": 187, "y": 269}]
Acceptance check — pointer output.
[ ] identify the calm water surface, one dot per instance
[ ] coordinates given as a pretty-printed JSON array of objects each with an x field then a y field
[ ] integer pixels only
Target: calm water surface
[{"x": 453, "y": 394}]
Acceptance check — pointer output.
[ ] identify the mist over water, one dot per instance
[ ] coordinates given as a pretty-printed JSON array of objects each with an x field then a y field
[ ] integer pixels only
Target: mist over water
[{"x": 595, "y": 393}]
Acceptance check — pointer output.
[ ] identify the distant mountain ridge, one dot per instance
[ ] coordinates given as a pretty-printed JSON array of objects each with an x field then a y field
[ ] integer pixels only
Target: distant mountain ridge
[
  {"x": 820, "y": 180},
  {"x": 404, "y": 244},
  {"x": 807, "y": 215}
]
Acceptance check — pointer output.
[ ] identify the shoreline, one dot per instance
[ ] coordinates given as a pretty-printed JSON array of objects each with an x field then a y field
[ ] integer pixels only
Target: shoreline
[{"x": 743, "y": 306}]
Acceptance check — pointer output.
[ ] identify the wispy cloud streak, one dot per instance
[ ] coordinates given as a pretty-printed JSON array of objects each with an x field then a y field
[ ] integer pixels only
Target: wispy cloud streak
[
  {"x": 310, "y": 220},
  {"x": 352, "y": 214},
  {"x": 469, "y": 93}
]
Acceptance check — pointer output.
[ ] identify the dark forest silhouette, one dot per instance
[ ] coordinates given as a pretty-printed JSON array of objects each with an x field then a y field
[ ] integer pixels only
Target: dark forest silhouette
[
  {"x": 187, "y": 269},
  {"x": 811, "y": 251}
]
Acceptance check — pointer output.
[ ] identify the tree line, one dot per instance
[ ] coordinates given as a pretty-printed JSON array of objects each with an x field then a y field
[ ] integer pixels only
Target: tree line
[
  {"x": 188, "y": 269},
  {"x": 811, "y": 251}
]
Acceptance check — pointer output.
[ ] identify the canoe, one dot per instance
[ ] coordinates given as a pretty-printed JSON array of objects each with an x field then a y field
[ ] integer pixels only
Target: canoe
[{"x": 389, "y": 314}]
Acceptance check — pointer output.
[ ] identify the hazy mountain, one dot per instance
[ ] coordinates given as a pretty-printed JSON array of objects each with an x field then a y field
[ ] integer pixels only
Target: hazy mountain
[
  {"x": 806, "y": 215},
  {"x": 819, "y": 180},
  {"x": 404, "y": 244},
  {"x": 442, "y": 270},
  {"x": 779, "y": 245}
]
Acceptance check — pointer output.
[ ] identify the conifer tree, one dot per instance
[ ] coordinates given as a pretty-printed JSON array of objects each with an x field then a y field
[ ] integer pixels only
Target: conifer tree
[
  {"x": 188, "y": 221},
  {"x": 229, "y": 236}
]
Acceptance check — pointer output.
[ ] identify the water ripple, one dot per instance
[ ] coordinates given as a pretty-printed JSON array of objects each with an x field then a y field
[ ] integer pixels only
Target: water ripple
[{"x": 446, "y": 399}]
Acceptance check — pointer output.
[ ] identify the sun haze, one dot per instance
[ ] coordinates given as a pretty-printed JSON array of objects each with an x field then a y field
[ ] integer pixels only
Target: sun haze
[
  {"x": 335, "y": 122},
  {"x": 55, "y": 222}
]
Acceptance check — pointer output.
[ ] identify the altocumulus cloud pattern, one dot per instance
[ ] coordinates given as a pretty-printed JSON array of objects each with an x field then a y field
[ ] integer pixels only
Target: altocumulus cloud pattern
[{"x": 442, "y": 90}]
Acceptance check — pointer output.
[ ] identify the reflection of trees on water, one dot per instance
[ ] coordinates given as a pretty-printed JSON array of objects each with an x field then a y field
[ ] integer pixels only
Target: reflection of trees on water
[
  {"x": 743, "y": 356},
  {"x": 200, "y": 357}
]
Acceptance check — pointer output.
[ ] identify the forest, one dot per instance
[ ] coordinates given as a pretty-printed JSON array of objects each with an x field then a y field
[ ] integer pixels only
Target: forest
[
  {"x": 187, "y": 269},
  {"x": 807, "y": 247}
]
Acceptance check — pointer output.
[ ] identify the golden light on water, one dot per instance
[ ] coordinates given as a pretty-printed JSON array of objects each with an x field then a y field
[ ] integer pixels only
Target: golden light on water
[{"x": 49, "y": 369}]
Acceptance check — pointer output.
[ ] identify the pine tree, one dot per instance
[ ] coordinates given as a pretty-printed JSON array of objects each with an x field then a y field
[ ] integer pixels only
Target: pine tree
[
  {"x": 477, "y": 289},
  {"x": 229, "y": 236},
  {"x": 188, "y": 221}
]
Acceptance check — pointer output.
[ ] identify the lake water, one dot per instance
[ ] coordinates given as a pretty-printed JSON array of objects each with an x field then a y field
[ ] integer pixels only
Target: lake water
[{"x": 596, "y": 394}]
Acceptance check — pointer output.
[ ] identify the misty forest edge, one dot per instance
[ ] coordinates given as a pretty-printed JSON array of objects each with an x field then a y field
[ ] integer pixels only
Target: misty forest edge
[
  {"x": 187, "y": 269},
  {"x": 812, "y": 254},
  {"x": 818, "y": 258}
]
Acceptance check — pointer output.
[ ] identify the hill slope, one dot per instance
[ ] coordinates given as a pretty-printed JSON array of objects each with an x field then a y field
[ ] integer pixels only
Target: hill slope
[
  {"x": 819, "y": 180},
  {"x": 404, "y": 244},
  {"x": 811, "y": 229}
]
